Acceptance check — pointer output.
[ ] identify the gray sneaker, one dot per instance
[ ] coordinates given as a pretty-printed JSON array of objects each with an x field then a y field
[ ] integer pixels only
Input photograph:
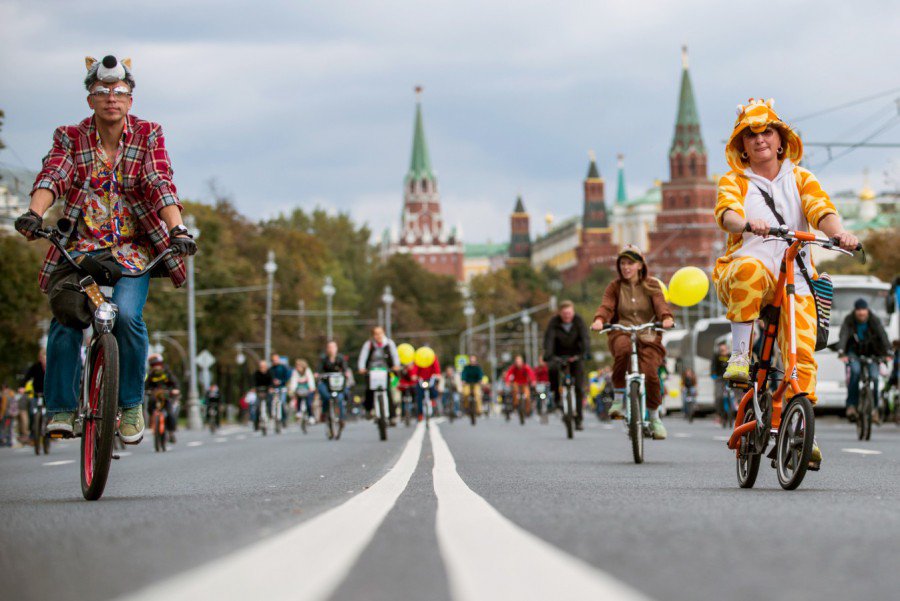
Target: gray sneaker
[
  {"x": 657, "y": 429},
  {"x": 131, "y": 426},
  {"x": 62, "y": 424}
]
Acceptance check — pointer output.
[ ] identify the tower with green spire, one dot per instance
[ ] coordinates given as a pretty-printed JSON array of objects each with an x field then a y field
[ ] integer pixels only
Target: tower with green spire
[
  {"x": 595, "y": 248},
  {"x": 621, "y": 194},
  {"x": 423, "y": 233},
  {"x": 685, "y": 232},
  {"x": 687, "y": 155},
  {"x": 520, "y": 234}
]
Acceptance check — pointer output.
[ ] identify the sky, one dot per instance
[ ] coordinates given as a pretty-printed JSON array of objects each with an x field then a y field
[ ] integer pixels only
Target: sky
[{"x": 305, "y": 103}]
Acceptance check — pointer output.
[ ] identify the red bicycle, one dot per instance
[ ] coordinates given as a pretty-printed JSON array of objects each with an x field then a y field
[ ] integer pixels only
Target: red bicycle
[{"x": 97, "y": 419}]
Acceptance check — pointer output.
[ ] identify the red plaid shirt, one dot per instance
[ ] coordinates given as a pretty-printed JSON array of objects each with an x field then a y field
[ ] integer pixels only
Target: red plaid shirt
[{"x": 146, "y": 183}]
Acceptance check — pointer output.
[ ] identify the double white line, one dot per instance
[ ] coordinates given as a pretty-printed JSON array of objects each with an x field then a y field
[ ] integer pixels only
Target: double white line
[{"x": 471, "y": 535}]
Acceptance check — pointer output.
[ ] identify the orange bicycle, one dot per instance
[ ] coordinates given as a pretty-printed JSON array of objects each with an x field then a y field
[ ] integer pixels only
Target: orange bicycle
[{"x": 761, "y": 414}]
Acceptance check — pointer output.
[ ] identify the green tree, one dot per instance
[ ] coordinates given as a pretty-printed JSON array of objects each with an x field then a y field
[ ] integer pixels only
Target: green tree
[{"x": 22, "y": 305}]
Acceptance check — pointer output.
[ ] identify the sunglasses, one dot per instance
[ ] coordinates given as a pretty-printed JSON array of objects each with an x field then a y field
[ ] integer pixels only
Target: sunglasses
[{"x": 118, "y": 92}]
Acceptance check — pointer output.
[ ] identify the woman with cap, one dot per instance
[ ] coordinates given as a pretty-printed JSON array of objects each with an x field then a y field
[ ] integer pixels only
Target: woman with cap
[
  {"x": 634, "y": 299},
  {"x": 766, "y": 188}
]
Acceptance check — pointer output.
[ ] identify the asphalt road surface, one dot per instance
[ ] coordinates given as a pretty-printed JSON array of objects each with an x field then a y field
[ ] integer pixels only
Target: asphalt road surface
[{"x": 453, "y": 511}]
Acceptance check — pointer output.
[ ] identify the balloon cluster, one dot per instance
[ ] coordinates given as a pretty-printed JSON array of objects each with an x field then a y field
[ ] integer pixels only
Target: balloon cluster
[{"x": 423, "y": 357}]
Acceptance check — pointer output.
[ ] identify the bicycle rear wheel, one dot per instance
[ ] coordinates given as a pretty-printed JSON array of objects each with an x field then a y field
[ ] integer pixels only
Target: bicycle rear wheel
[
  {"x": 569, "y": 417},
  {"x": 100, "y": 417},
  {"x": 36, "y": 432},
  {"x": 794, "y": 442},
  {"x": 635, "y": 424}
]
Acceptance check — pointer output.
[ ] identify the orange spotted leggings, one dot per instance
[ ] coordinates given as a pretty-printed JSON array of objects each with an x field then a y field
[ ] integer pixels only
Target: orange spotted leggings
[{"x": 745, "y": 286}]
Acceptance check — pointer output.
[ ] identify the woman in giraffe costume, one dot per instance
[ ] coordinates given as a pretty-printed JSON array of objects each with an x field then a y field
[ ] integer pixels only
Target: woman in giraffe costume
[{"x": 764, "y": 155}]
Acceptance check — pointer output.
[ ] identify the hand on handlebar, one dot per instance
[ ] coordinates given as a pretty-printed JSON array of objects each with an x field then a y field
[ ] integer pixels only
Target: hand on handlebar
[
  {"x": 668, "y": 323},
  {"x": 28, "y": 224},
  {"x": 183, "y": 245},
  {"x": 757, "y": 226},
  {"x": 597, "y": 325},
  {"x": 847, "y": 241}
]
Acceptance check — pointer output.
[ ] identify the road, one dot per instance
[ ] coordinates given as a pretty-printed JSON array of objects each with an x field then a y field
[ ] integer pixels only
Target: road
[{"x": 452, "y": 512}]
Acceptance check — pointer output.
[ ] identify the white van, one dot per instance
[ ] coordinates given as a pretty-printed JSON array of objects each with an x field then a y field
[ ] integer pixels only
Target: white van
[{"x": 696, "y": 352}]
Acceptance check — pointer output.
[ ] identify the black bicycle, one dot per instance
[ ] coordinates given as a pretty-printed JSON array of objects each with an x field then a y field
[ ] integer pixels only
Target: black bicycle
[
  {"x": 98, "y": 413},
  {"x": 866, "y": 405},
  {"x": 568, "y": 397},
  {"x": 38, "y": 424}
]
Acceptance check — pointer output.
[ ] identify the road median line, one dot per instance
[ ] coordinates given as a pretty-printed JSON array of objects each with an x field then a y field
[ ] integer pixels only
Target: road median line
[
  {"x": 326, "y": 546},
  {"x": 472, "y": 534}
]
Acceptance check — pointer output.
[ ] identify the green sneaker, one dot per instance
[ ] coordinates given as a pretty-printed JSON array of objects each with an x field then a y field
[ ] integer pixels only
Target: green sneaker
[
  {"x": 815, "y": 458},
  {"x": 62, "y": 424},
  {"x": 131, "y": 426},
  {"x": 617, "y": 410},
  {"x": 657, "y": 429},
  {"x": 738, "y": 369}
]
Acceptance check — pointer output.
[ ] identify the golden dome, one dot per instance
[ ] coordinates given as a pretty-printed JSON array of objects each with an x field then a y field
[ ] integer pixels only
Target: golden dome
[{"x": 867, "y": 193}]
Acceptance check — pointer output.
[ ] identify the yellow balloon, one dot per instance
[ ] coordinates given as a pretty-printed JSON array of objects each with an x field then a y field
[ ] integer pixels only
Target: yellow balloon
[
  {"x": 406, "y": 352},
  {"x": 595, "y": 389},
  {"x": 688, "y": 286},
  {"x": 664, "y": 288},
  {"x": 424, "y": 357}
]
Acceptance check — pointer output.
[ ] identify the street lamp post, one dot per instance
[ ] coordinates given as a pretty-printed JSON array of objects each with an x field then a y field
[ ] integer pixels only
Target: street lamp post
[
  {"x": 194, "y": 421},
  {"x": 328, "y": 290},
  {"x": 492, "y": 352},
  {"x": 469, "y": 312},
  {"x": 270, "y": 267},
  {"x": 526, "y": 330},
  {"x": 388, "y": 299}
]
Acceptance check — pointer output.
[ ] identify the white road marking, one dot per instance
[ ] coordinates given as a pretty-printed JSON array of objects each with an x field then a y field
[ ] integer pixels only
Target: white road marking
[
  {"x": 472, "y": 535},
  {"x": 221, "y": 440},
  {"x": 329, "y": 544},
  {"x": 241, "y": 436},
  {"x": 62, "y": 462},
  {"x": 722, "y": 438},
  {"x": 124, "y": 453},
  {"x": 682, "y": 435},
  {"x": 195, "y": 443},
  {"x": 862, "y": 451}
]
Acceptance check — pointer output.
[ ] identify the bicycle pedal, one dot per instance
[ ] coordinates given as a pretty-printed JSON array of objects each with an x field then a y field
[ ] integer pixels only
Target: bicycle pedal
[
  {"x": 115, "y": 456},
  {"x": 814, "y": 467}
]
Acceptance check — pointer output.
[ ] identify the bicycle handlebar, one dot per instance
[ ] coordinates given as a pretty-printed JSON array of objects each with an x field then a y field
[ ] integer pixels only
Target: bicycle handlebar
[
  {"x": 655, "y": 325},
  {"x": 785, "y": 233},
  {"x": 54, "y": 235}
]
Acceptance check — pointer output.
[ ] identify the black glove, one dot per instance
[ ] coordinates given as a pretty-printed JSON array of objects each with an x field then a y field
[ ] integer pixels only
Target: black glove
[
  {"x": 28, "y": 223},
  {"x": 183, "y": 245}
]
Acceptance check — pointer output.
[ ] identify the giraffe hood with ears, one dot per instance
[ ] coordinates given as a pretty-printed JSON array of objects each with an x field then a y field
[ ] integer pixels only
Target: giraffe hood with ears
[{"x": 757, "y": 115}]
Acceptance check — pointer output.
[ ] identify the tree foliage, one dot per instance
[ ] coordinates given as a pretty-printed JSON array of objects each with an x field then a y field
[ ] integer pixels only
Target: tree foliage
[{"x": 22, "y": 306}]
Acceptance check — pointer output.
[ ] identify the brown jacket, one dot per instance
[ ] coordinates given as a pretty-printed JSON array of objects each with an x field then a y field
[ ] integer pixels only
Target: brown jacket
[{"x": 608, "y": 310}]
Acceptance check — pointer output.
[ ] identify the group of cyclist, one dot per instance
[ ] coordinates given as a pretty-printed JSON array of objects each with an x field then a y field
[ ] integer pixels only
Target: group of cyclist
[{"x": 115, "y": 178}]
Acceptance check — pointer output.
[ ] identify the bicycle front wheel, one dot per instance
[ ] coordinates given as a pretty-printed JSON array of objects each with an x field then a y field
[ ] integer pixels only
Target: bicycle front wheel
[
  {"x": 635, "y": 424},
  {"x": 795, "y": 442},
  {"x": 99, "y": 428}
]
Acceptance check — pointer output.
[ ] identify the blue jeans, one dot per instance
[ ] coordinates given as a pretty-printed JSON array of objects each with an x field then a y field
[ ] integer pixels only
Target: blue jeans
[
  {"x": 855, "y": 373},
  {"x": 325, "y": 395},
  {"x": 307, "y": 398},
  {"x": 420, "y": 395},
  {"x": 63, "y": 377}
]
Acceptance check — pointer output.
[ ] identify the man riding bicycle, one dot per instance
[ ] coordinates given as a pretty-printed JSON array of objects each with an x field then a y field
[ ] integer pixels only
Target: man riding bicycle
[
  {"x": 471, "y": 377},
  {"x": 378, "y": 352},
  {"x": 567, "y": 336},
  {"x": 863, "y": 335},
  {"x": 331, "y": 363},
  {"x": 114, "y": 173},
  {"x": 520, "y": 378},
  {"x": 281, "y": 373}
]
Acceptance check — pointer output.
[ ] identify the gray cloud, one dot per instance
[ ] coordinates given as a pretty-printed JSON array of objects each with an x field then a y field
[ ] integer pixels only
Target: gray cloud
[{"x": 310, "y": 103}]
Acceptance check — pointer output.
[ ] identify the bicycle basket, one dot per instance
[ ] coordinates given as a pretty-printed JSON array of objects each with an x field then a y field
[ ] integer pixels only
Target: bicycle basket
[
  {"x": 378, "y": 379},
  {"x": 336, "y": 382}
]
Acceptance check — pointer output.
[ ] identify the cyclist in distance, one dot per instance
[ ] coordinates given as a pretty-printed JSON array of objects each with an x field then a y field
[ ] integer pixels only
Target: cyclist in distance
[
  {"x": 863, "y": 335},
  {"x": 214, "y": 399},
  {"x": 302, "y": 386},
  {"x": 471, "y": 377},
  {"x": 115, "y": 177},
  {"x": 429, "y": 375},
  {"x": 766, "y": 188},
  {"x": 717, "y": 366},
  {"x": 262, "y": 382},
  {"x": 520, "y": 378},
  {"x": 281, "y": 373},
  {"x": 567, "y": 336},
  {"x": 635, "y": 299},
  {"x": 379, "y": 351},
  {"x": 331, "y": 362},
  {"x": 161, "y": 379}
]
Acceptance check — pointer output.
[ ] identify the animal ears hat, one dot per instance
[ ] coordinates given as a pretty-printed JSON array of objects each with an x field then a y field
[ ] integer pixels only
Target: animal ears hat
[
  {"x": 757, "y": 115},
  {"x": 108, "y": 70}
]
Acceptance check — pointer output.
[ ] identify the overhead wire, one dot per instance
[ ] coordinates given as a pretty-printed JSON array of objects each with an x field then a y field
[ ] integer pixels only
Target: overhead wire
[
  {"x": 881, "y": 129},
  {"x": 847, "y": 104}
]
